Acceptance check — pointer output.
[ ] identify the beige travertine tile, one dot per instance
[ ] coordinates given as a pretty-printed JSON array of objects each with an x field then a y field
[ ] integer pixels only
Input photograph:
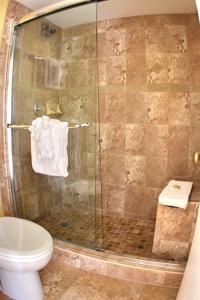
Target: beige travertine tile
[
  {"x": 115, "y": 106},
  {"x": 179, "y": 221},
  {"x": 134, "y": 21},
  {"x": 135, "y": 139},
  {"x": 195, "y": 108},
  {"x": 179, "y": 108},
  {"x": 156, "y": 140},
  {"x": 157, "y": 20},
  {"x": 102, "y": 46},
  {"x": 194, "y": 173},
  {"x": 116, "y": 70},
  {"x": 174, "y": 231},
  {"x": 157, "y": 108},
  {"x": 136, "y": 71},
  {"x": 156, "y": 40},
  {"x": 136, "y": 108},
  {"x": 156, "y": 172},
  {"x": 194, "y": 139},
  {"x": 179, "y": 68},
  {"x": 114, "y": 24},
  {"x": 26, "y": 76},
  {"x": 116, "y": 138},
  {"x": 194, "y": 67},
  {"x": 178, "y": 143},
  {"x": 115, "y": 169},
  {"x": 95, "y": 287},
  {"x": 135, "y": 40},
  {"x": 115, "y": 41},
  {"x": 78, "y": 71},
  {"x": 104, "y": 130},
  {"x": 135, "y": 170},
  {"x": 152, "y": 293},
  {"x": 57, "y": 278},
  {"x": 193, "y": 34},
  {"x": 158, "y": 69},
  {"x": 150, "y": 202},
  {"x": 134, "y": 198},
  {"x": 176, "y": 41},
  {"x": 178, "y": 168},
  {"x": 79, "y": 47},
  {"x": 115, "y": 194}
]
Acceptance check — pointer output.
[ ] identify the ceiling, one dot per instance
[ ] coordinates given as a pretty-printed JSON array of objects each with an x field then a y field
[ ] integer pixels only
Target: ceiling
[{"x": 113, "y": 9}]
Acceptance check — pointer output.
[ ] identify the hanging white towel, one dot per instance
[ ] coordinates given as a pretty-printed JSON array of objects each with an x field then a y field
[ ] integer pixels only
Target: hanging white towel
[
  {"x": 176, "y": 194},
  {"x": 49, "y": 138}
]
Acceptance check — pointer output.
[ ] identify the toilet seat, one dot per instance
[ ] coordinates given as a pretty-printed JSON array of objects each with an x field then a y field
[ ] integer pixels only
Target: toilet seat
[
  {"x": 19, "y": 237},
  {"x": 24, "y": 245}
]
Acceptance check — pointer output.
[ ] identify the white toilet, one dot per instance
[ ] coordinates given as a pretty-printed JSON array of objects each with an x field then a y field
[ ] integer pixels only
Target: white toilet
[{"x": 25, "y": 248}]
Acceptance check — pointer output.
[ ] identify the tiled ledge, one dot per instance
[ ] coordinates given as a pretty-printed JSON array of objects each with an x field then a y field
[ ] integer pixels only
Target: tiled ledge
[{"x": 131, "y": 269}]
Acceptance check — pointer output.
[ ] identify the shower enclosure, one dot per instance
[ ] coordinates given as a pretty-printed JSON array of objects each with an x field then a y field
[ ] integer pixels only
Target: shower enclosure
[
  {"x": 54, "y": 73},
  {"x": 123, "y": 86}
]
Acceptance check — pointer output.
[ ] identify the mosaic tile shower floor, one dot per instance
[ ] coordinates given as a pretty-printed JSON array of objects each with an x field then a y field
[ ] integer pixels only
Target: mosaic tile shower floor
[{"x": 121, "y": 236}]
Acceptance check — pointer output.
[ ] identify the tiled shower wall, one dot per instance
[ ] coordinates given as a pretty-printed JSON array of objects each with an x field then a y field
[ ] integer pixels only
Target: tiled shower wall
[
  {"x": 79, "y": 102},
  {"x": 149, "y": 107}
]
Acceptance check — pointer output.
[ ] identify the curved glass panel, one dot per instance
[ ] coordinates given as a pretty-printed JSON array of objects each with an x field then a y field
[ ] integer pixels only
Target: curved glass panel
[{"x": 55, "y": 75}]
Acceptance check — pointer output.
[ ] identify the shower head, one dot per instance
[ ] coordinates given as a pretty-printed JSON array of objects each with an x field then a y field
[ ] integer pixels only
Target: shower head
[{"x": 47, "y": 30}]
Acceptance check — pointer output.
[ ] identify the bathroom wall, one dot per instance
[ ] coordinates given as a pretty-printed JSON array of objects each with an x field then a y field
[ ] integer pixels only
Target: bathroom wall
[{"x": 149, "y": 107}]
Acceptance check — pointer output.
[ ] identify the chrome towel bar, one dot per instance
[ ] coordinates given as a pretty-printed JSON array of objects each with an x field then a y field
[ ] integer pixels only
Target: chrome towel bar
[{"x": 21, "y": 126}]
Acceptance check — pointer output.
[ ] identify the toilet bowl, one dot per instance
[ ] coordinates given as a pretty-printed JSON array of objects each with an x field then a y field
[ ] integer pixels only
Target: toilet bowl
[{"x": 25, "y": 248}]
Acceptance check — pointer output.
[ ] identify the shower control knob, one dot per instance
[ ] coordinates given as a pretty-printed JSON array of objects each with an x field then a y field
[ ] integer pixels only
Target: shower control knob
[
  {"x": 36, "y": 107},
  {"x": 196, "y": 157},
  {"x": 39, "y": 109}
]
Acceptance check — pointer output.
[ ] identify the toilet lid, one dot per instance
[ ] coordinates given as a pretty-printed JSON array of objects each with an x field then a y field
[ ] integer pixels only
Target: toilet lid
[{"x": 19, "y": 237}]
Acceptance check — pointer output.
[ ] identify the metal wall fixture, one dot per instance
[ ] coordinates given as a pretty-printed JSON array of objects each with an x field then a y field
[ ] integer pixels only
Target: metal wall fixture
[
  {"x": 21, "y": 126},
  {"x": 196, "y": 157}
]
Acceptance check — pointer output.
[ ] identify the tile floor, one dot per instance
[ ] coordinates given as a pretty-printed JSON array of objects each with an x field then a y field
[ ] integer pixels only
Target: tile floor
[
  {"x": 121, "y": 236},
  {"x": 62, "y": 282}
]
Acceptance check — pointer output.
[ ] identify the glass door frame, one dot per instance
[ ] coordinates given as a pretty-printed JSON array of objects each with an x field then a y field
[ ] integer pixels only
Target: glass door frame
[{"x": 57, "y": 7}]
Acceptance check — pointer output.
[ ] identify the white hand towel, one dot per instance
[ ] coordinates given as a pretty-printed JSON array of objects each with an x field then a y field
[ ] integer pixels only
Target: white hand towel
[
  {"x": 49, "y": 138},
  {"x": 176, "y": 194}
]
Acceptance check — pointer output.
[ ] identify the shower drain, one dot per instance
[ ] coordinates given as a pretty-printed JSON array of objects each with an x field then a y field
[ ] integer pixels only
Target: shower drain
[{"x": 65, "y": 224}]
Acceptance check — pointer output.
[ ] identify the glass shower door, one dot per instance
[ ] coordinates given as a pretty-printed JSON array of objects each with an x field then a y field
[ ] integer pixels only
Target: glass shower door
[{"x": 55, "y": 74}]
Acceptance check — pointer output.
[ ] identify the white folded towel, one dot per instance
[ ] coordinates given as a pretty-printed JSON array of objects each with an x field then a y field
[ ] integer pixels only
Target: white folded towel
[
  {"x": 176, "y": 194},
  {"x": 49, "y": 138}
]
